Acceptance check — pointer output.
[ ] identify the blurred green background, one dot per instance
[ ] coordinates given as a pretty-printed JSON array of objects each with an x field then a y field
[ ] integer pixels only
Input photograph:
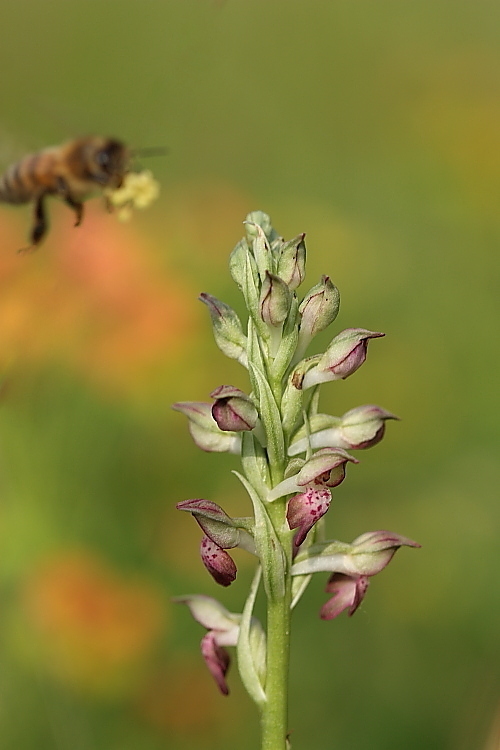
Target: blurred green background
[{"x": 375, "y": 128}]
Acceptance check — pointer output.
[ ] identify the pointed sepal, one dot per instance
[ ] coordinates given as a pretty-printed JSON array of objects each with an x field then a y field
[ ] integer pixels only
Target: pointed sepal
[
  {"x": 345, "y": 354},
  {"x": 228, "y": 333}
]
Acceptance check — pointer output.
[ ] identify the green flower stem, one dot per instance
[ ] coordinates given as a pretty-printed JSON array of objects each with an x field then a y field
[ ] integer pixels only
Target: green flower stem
[{"x": 275, "y": 710}]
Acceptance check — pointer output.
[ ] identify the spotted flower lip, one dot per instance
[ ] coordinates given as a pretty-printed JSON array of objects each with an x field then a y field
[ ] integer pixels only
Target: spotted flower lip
[
  {"x": 305, "y": 510},
  {"x": 221, "y": 532},
  {"x": 216, "y": 560},
  {"x": 312, "y": 485},
  {"x": 326, "y": 468}
]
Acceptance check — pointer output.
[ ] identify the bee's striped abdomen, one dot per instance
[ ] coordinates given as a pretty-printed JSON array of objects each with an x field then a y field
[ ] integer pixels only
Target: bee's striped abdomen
[{"x": 27, "y": 179}]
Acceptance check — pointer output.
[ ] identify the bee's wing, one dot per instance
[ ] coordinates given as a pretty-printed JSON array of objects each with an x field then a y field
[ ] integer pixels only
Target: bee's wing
[{"x": 13, "y": 148}]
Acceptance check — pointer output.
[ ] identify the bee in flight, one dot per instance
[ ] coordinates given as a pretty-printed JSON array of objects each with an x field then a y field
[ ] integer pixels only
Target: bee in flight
[{"x": 72, "y": 172}]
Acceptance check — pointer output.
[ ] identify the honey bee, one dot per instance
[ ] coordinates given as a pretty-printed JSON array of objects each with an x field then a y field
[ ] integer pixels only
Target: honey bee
[{"x": 71, "y": 171}]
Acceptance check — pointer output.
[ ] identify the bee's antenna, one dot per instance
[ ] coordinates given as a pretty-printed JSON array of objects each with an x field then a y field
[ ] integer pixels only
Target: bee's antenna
[{"x": 149, "y": 151}]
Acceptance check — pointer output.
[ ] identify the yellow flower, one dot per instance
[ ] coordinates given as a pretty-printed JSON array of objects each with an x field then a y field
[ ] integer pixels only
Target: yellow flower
[{"x": 138, "y": 190}]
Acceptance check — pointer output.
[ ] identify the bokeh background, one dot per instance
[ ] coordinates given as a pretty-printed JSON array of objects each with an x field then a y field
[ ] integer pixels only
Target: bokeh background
[{"x": 375, "y": 128}]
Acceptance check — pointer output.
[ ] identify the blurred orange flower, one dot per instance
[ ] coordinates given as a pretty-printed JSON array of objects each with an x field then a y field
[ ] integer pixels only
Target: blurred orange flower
[
  {"x": 179, "y": 701},
  {"x": 95, "y": 628},
  {"x": 99, "y": 301}
]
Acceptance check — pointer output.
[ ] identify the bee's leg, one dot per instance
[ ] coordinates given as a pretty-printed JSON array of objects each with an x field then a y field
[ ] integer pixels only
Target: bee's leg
[
  {"x": 77, "y": 206},
  {"x": 40, "y": 226}
]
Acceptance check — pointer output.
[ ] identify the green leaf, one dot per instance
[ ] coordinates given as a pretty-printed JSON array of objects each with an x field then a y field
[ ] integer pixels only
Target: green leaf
[
  {"x": 237, "y": 261},
  {"x": 254, "y": 352},
  {"x": 254, "y": 462},
  {"x": 270, "y": 417},
  {"x": 267, "y": 544},
  {"x": 262, "y": 251},
  {"x": 288, "y": 343},
  {"x": 248, "y": 669}
]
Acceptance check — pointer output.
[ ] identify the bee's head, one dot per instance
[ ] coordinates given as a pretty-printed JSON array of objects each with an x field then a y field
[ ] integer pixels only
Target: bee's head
[{"x": 111, "y": 159}]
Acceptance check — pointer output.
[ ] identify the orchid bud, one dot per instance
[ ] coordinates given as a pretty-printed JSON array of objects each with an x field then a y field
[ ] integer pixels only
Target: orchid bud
[
  {"x": 344, "y": 356},
  {"x": 233, "y": 409},
  {"x": 256, "y": 220},
  {"x": 227, "y": 329},
  {"x": 204, "y": 430},
  {"x": 319, "y": 308},
  {"x": 261, "y": 249},
  {"x": 275, "y": 300},
  {"x": 292, "y": 262},
  {"x": 357, "y": 429}
]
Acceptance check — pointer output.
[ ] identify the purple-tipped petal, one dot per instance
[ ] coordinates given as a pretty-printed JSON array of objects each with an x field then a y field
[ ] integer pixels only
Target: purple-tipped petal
[
  {"x": 217, "y": 660},
  {"x": 305, "y": 509},
  {"x": 233, "y": 410},
  {"x": 349, "y": 592},
  {"x": 345, "y": 354},
  {"x": 217, "y": 561},
  {"x": 375, "y": 541},
  {"x": 214, "y": 521}
]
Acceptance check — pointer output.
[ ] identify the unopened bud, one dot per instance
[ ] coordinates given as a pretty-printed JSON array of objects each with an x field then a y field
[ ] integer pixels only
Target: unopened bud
[
  {"x": 292, "y": 261},
  {"x": 228, "y": 332},
  {"x": 275, "y": 300},
  {"x": 344, "y": 356},
  {"x": 319, "y": 308},
  {"x": 233, "y": 410},
  {"x": 257, "y": 219},
  {"x": 357, "y": 429}
]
